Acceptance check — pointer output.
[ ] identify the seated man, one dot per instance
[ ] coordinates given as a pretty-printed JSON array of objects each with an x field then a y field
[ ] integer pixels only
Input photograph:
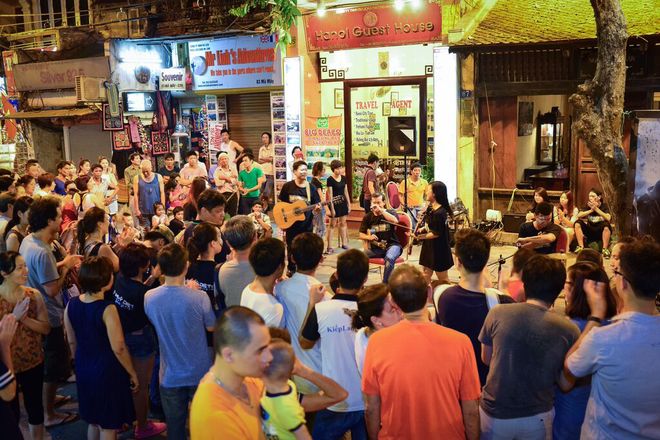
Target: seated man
[
  {"x": 378, "y": 232},
  {"x": 540, "y": 235},
  {"x": 593, "y": 223}
]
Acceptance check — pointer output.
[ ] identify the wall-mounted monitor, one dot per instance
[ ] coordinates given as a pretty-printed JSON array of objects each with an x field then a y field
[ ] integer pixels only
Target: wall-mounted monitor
[{"x": 139, "y": 101}]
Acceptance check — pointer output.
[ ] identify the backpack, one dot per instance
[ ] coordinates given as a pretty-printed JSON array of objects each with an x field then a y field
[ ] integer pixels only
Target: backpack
[{"x": 492, "y": 296}]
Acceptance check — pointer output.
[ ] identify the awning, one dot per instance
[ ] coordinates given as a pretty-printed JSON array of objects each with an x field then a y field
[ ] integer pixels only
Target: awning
[{"x": 58, "y": 113}]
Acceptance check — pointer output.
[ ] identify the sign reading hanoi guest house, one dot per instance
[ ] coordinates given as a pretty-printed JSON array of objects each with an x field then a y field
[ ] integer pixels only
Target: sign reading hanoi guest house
[
  {"x": 379, "y": 25},
  {"x": 235, "y": 63}
]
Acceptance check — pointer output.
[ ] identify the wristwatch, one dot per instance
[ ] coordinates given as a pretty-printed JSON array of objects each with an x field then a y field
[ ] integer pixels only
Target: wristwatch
[{"x": 595, "y": 319}]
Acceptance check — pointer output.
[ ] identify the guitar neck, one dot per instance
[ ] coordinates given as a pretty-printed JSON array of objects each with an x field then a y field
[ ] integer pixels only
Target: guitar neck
[{"x": 310, "y": 207}]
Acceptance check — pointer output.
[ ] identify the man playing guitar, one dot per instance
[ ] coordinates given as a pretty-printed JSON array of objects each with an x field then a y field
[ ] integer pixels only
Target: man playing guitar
[
  {"x": 378, "y": 231},
  {"x": 299, "y": 189}
]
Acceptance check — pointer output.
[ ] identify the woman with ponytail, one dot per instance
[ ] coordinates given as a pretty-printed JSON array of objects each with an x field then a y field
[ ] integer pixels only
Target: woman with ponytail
[
  {"x": 29, "y": 309},
  {"x": 92, "y": 229},
  {"x": 203, "y": 246},
  {"x": 17, "y": 228},
  {"x": 375, "y": 310}
]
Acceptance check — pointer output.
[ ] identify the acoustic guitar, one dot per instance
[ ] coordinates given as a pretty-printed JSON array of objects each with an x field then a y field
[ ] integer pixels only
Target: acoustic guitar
[{"x": 286, "y": 214}]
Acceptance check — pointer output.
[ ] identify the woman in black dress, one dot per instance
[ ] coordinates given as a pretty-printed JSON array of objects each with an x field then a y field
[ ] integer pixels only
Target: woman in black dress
[
  {"x": 436, "y": 253},
  {"x": 336, "y": 184}
]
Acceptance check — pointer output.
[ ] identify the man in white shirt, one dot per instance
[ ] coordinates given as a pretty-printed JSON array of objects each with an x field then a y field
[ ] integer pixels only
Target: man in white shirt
[
  {"x": 233, "y": 148},
  {"x": 6, "y": 212},
  {"x": 329, "y": 325},
  {"x": 294, "y": 294},
  {"x": 194, "y": 168},
  {"x": 267, "y": 260}
]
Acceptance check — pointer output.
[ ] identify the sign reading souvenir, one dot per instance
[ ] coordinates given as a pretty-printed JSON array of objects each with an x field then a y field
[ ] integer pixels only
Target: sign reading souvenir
[
  {"x": 173, "y": 79},
  {"x": 235, "y": 63},
  {"x": 380, "y": 25},
  {"x": 58, "y": 74}
]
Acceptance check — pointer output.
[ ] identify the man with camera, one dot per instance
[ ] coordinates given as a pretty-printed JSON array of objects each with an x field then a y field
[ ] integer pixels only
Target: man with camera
[{"x": 378, "y": 232}]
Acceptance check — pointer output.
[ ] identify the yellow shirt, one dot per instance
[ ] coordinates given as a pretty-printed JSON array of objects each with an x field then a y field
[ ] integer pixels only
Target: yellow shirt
[
  {"x": 217, "y": 415},
  {"x": 282, "y": 414},
  {"x": 416, "y": 191}
]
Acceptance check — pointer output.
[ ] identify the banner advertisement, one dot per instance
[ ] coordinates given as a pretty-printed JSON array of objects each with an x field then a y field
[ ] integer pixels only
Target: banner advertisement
[
  {"x": 235, "y": 63},
  {"x": 322, "y": 137},
  {"x": 58, "y": 74},
  {"x": 380, "y": 25}
]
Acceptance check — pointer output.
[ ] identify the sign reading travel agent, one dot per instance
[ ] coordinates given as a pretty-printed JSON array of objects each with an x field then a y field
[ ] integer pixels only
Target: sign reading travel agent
[
  {"x": 380, "y": 25},
  {"x": 235, "y": 63}
]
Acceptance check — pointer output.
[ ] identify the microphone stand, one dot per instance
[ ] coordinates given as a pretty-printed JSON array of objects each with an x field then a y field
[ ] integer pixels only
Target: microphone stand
[{"x": 500, "y": 262}]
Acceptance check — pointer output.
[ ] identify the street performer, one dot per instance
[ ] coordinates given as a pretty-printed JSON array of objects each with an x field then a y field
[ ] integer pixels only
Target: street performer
[
  {"x": 293, "y": 190},
  {"x": 436, "y": 252},
  {"x": 378, "y": 231}
]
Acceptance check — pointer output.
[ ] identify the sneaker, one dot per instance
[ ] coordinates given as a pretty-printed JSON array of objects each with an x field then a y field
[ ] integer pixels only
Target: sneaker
[
  {"x": 606, "y": 253},
  {"x": 152, "y": 429},
  {"x": 578, "y": 249}
]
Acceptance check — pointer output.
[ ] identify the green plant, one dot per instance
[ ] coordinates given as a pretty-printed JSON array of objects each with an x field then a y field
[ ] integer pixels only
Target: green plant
[{"x": 283, "y": 15}]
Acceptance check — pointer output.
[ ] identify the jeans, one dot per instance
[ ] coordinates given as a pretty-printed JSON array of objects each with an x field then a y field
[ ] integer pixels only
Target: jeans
[
  {"x": 414, "y": 213},
  {"x": 536, "y": 427},
  {"x": 246, "y": 204},
  {"x": 389, "y": 255},
  {"x": 175, "y": 406},
  {"x": 331, "y": 425},
  {"x": 268, "y": 187}
]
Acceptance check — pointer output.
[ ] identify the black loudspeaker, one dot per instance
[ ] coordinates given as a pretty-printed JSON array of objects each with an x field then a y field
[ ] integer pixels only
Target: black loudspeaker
[
  {"x": 402, "y": 133},
  {"x": 512, "y": 222}
]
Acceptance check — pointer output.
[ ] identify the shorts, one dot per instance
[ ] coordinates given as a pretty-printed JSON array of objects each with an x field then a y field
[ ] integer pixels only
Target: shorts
[
  {"x": 141, "y": 343},
  {"x": 57, "y": 362},
  {"x": 593, "y": 231}
]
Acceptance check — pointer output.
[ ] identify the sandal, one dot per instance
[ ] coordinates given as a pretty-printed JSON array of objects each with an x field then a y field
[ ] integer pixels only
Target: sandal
[
  {"x": 67, "y": 417},
  {"x": 330, "y": 251}
]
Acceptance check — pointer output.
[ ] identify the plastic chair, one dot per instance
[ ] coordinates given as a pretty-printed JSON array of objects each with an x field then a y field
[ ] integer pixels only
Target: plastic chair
[
  {"x": 393, "y": 199},
  {"x": 403, "y": 234}
]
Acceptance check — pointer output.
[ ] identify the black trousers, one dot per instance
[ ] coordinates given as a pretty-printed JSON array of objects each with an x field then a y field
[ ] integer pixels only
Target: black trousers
[{"x": 30, "y": 383}]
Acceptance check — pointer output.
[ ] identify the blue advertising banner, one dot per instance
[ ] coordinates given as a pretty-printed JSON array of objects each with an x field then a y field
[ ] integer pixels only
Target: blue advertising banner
[{"x": 235, "y": 63}]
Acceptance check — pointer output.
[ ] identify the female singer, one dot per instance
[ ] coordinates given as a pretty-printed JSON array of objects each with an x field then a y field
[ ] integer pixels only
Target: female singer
[{"x": 436, "y": 252}]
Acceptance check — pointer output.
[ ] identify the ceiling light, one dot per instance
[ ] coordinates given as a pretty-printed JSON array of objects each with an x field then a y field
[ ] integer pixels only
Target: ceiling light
[{"x": 399, "y": 4}]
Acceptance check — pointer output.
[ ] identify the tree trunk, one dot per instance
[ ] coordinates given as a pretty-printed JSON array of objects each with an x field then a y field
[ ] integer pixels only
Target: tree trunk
[{"x": 599, "y": 110}]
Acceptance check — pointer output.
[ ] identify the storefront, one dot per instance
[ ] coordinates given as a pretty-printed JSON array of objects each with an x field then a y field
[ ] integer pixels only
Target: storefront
[{"x": 386, "y": 75}]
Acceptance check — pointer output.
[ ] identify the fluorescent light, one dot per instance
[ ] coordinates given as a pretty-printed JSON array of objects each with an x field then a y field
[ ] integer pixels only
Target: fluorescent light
[
  {"x": 445, "y": 121},
  {"x": 416, "y": 3},
  {"x": 320, "y": 11},
  {"x": 340, "y": 11},
  {"x": 399, "y": 4}
]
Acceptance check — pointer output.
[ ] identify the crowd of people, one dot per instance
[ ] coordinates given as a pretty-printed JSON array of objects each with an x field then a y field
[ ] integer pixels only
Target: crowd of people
[{"x": 183, "y": 305}]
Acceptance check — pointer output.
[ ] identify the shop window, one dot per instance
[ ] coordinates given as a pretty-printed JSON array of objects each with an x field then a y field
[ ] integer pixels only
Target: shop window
[{"x": 59, "y": 13}]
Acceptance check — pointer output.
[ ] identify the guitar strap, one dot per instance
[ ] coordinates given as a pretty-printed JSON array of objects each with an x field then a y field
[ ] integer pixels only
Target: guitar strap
[{"x": 309, "y": 195}]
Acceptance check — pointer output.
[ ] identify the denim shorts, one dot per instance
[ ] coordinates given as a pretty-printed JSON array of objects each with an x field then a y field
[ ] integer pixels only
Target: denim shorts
[{"x": 141, "y": 343}]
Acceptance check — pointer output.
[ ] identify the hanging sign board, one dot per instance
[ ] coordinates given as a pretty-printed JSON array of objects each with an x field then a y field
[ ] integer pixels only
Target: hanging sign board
[
  {"x": 173, "y": 79},
  {"x": 380, "y": 25},
  {"x": 235, "y": 63},
  {"x": 58, "y": 74}
]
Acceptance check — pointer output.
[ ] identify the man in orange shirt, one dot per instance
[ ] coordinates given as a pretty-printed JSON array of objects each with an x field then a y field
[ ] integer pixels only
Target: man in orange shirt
[
  {"x": 226, "y": 403},
  {"x": 420, "y": 379}
]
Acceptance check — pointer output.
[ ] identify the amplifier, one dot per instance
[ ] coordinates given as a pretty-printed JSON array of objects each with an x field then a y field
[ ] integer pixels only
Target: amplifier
[{"x": 512, "y": 222}]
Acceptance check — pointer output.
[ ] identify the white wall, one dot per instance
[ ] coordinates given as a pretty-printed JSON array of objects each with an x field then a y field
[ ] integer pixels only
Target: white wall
[{"x": 526, "y": 150}]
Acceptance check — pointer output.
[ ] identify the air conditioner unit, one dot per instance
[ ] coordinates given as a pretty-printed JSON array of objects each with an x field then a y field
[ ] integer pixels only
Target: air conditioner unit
[{"x": 89, "y": 89}]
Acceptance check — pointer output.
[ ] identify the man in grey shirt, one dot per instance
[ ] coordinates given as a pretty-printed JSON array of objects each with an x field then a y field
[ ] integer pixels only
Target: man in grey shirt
[
  {"x": 237, "y": 273},
  {"x": 48, "y": 276},
  {"x": 525, "y": 344}
]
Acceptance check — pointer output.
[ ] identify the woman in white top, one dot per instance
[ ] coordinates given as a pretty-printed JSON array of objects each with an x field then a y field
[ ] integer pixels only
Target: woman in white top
[
  {"x": 566, "y": 214},
  {"x": 109, "y": 174},
  {"x": 375, "y": 311}
]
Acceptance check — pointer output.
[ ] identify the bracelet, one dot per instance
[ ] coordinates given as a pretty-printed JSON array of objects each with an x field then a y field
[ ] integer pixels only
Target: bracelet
[{"x": 595, "y": 319}]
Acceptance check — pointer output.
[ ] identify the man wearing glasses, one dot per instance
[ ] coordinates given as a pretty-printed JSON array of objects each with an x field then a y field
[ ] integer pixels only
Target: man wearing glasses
[
  {"x": 540, "y": 235},
  {"x": 622, "y": 357}
]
